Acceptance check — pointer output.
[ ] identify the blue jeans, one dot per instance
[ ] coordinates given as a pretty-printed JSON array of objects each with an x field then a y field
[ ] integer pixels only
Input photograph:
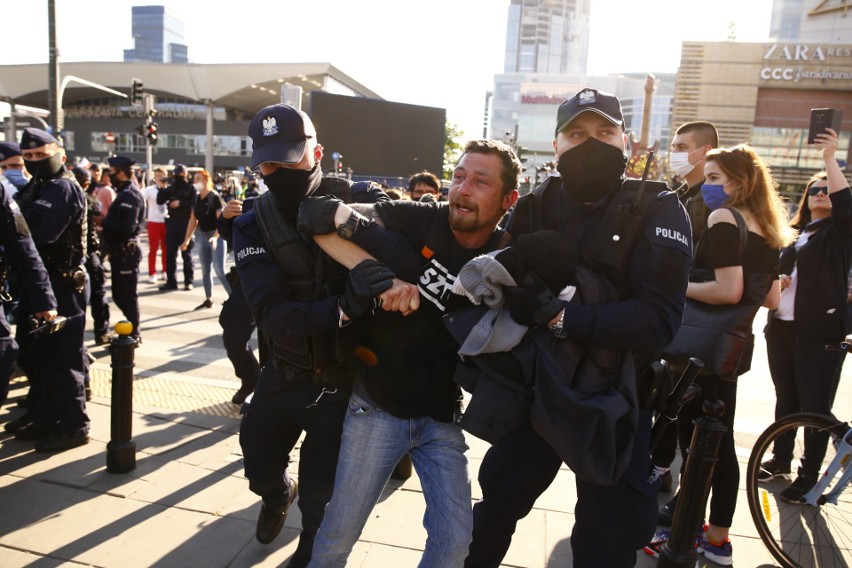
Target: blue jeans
[
  {"x": 373, "y": 442},
  {"x": 208, "y": 256}
]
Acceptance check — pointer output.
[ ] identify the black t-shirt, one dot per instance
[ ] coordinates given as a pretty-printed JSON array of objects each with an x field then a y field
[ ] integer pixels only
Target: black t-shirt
[
  {"x": 416, "y": 356},
  {"x": 205, "y": 209},
  {"x": 719, "y": 247}
]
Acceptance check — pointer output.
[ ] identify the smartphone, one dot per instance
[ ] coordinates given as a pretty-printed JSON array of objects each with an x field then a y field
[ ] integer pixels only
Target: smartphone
[{"x": 822, "y": 118}]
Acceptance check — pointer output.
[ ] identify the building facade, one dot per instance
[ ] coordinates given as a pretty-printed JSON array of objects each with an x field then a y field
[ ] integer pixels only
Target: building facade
[
  {"x": 547, "y": 36},
  {"x": 811, "y": 20},
  {"x": 157, "y": 36},
  {"x": 762, "y": 93}
]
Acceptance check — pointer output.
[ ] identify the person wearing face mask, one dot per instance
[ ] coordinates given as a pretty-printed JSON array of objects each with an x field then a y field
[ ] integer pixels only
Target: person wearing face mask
[
  {"x": 206, "y": 209},
  {"x": 735, "y": 178},
  {"x": 179, "y": 196},
  {"x": 812, "y": 313},
  {"x": 312, "y": 312},
  {"x": 54, "y": 207},
  {"x": 583, "y": 204},
  {"x": 13, "y": 175},
  {"x": 691, "y": 143},
  {"x": 121, "y": 228}
]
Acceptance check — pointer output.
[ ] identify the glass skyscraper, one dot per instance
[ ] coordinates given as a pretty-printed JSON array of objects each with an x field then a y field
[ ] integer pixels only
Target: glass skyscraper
[
  {"x": 547, "y": 36},
  {"x": 157, "y": 36}
]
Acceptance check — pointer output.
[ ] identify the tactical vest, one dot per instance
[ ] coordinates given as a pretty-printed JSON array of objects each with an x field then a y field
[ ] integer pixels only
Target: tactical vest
[
  {"x": 93, "y": 241},
  {"x": 69, "y": 250},
  {"x": 311, "y": 275},
  {"x": 609, "y": 251}
]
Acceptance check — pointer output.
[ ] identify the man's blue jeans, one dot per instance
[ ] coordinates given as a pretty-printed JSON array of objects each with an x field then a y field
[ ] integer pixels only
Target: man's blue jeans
[{"x": 373, "y": 442}]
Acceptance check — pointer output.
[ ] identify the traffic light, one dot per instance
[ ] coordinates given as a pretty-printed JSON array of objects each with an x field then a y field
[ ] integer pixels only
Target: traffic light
[
  {"x": 136, "y": 92},
  {"x": 151, "y": 132}
]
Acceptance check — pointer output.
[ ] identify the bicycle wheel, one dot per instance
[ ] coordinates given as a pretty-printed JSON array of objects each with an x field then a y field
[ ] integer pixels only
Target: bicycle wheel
[{"x": 799, "y": 535}]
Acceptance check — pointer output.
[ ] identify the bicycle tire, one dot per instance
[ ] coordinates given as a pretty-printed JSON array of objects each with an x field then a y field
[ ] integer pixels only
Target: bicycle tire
[{"x": 799, "y": 535}]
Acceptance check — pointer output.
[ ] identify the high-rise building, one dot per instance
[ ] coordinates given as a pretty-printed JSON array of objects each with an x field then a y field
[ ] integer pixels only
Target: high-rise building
[
  {"x": 547, "y": 36},
  {"x": 824, "y": 21},
  {"x": 157, "y": 36}
]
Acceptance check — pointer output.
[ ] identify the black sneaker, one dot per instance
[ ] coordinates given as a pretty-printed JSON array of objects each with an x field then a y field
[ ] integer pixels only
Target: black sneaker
[
  {"x": 61, "y": 442},
  {"x": 797, "y": 490},
  {"x": 665, "y": 516},
  {"x": 773, "y": 469},
  {"x": 271, "y": 520},
  {"x": 168, "y": 286},
  {"x": 104, "y": 339},
  {"x": 204, "y": 305}
]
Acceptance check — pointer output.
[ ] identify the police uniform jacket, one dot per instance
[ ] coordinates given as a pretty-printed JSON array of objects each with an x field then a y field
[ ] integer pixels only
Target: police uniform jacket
[
  {"x": 126, "y": 216},
  {"x": 270, "y": 297},
  {"x": 20, "y": 252},
  {"x": 55, "y": 212},
  {"x": 649, "y": 312}
]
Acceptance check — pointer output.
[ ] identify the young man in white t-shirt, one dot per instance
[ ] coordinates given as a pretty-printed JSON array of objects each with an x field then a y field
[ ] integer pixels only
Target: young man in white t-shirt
[{"x": 156, "y": 217}]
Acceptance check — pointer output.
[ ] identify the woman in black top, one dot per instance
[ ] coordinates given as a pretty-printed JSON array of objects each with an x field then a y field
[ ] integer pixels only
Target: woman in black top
[
  {"x": 212, "y": 248},
  {"x": 813, "y": 313},
  {"x": 736, "y": 178}
]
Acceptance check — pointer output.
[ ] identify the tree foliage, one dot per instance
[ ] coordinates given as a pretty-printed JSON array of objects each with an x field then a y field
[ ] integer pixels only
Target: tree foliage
[{"x": 452, "y": 148}]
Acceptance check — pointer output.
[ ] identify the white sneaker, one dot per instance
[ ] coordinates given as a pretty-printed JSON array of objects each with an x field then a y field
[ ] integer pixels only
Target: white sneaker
[
  {"x": 152, "y": 279},
  {"x": 163, "y": 277}
]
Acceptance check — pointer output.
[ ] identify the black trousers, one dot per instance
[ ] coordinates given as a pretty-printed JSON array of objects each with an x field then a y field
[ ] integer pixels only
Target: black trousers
[
  {"x": 97, "y": 294},
  {"x": 125, "y": 280},
  {"x": 175, "y": 233},
  {"x": 806, "y": 379},
  {"x": 278, "y": 414},
  {"x": 237, "y": 326},
  {"x": 612, "y": 522}
]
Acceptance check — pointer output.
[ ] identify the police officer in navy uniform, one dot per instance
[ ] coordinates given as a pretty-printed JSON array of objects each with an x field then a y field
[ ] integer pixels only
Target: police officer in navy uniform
[
  {"x": 179, "y": 196},
  {"x": 54, "y": 207},
  {"x": 311, "y": 312},
  {"x": 121, "y": 227},
  {"x": 611, "y": 521},
  {"x": 18, "y": 251},
  {"x": 235, "y": 317},
  {"x": 98, "y": 304}
]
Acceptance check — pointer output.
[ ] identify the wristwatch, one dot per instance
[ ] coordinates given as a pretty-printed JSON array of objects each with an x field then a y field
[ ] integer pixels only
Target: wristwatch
[
  {"x": 347, "y": 229},
  {"x": 558, "y": 329}
]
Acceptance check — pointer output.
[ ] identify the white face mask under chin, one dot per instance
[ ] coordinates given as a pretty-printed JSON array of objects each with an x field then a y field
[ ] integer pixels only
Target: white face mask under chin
[
  {"x": 679, "y": 163},
  {"x": 198, "y": 186}
]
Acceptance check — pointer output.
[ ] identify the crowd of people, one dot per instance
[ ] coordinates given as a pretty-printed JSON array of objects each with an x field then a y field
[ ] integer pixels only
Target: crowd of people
[{"x": 363, "y": 297}]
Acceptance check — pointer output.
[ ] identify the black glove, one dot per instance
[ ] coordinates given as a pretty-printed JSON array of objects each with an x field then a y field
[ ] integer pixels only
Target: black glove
[
  {"x": 366, "y": 281},
  {"x": 533, "y": 303},
  {"x": 316, "y": 215},
  {"x": 513, "y": 261},
  {"x": 551, "y": 256}
]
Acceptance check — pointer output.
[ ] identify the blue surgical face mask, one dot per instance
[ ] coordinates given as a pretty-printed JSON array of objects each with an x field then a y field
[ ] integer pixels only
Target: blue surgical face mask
[
  {"x": 714, "y": 195},
  {"x": 16, "y": 177}
]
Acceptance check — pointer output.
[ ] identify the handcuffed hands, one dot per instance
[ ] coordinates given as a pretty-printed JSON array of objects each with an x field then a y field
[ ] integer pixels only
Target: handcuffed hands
[
  {"x": 316, "y": 215},
  {"x": 532, "y": 303},
  {"x": 364, "y": 284}
]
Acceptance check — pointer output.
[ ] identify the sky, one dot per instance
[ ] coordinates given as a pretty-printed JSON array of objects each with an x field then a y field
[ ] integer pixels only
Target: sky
[{"x": 440, "y": 53}]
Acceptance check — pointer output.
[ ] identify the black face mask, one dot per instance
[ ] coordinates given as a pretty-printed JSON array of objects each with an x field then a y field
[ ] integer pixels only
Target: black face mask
[
  {"x": 45, "y": 168},
  {"x": 591, "y": 170},
  {"x": 291, "y": 186}
]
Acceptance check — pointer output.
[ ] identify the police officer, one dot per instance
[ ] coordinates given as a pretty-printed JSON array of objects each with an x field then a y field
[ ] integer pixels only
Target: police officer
[
  {"x": 18, "y": 251},
  {"x": 14, "y": 176},
  {"x": 611, "y": 521},
  {"x": 121, "y": 227},
  {"x": 54, "y": 207},
  {"x": 303, "y": 303},
  {"x": 235, "y": 317},
  {"x": 179, "y": 196},
  {"x": 98, "y": 303}
]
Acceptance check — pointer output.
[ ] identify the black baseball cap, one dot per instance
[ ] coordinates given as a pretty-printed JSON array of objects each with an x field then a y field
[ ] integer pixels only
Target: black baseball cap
[
  {"x": 604, "y": 104},
  {"x": 279, "y": 133},
  {"x": 36, "y": 138}
]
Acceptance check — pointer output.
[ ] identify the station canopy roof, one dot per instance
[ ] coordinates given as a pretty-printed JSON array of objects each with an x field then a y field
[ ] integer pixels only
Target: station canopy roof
[{"x": 245, "y": 87}]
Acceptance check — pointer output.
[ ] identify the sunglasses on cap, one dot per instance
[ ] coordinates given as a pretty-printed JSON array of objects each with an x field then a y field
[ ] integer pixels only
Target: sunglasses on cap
[{"x": 813, "y": 190}]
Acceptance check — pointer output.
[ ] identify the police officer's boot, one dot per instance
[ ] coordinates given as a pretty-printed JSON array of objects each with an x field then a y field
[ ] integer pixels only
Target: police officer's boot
[{"x": 271, "y": 518}]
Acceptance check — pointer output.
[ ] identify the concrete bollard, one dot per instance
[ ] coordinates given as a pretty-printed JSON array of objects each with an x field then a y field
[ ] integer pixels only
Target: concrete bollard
[
  {"x": 702, "y": 455},
  {"x": 121, "y": 449}
]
